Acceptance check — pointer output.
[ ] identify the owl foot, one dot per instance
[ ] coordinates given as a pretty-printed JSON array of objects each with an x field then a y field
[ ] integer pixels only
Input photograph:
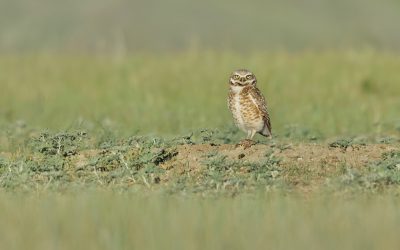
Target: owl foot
[{"x": 246, "y": 143}]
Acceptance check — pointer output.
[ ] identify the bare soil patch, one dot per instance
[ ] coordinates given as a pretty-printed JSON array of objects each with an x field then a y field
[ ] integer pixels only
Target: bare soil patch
[{"x": 301, "y": 163}]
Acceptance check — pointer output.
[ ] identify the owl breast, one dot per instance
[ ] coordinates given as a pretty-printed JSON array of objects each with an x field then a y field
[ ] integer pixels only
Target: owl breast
[{"x": 246, "y": 114}]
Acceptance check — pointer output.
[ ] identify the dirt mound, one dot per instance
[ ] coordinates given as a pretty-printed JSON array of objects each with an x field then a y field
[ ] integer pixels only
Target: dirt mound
[{"x": 301, "y": 162}]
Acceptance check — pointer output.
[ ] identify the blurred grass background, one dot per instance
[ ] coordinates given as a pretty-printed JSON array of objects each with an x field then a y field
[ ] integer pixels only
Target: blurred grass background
[
  {"x": 162, "y": 67},
  {"x": 156, "y": 222},
  {"x": 332, "y": 92}
]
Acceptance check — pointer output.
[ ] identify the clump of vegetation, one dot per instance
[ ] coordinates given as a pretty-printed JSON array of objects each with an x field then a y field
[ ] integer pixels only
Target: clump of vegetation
[
  {"x": 342, "y": 143},
  {"x": 386, "y": 172},
  {"x": 62, "y": 144},
  {"x": 387, "y": 139},
  {"x": 227, "y": 135},
  {"x": 3, "y": 164},
  {"x": 377, "y": 176},
  {"x": 221, "y": 172}
]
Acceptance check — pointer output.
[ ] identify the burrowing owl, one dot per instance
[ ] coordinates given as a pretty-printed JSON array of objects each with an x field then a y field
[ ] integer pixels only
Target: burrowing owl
[{"x": 247, "y": 104}]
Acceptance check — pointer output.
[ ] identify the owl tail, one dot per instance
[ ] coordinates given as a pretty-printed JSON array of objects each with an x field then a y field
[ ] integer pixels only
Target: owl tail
[{"x": 266, "y": 132}]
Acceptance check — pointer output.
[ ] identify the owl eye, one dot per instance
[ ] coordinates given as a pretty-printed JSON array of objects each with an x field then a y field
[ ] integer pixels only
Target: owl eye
[
  {"x": 248, "y": 77},
  {"x": 235, "y": 77}
]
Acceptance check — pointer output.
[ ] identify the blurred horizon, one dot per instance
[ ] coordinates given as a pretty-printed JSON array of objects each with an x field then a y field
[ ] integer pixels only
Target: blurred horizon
[{"x": 125, "y": 27}]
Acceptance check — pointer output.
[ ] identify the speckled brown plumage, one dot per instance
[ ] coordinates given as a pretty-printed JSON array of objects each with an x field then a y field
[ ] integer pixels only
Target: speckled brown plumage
[{"x": 248, "y": 105}]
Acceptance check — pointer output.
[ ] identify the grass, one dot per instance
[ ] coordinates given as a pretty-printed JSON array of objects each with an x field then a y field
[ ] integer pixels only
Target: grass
[
  {"x": 110, "y": 221},
  {"x": 330, "y": 93},
  {"x": 138, "y": 152}
]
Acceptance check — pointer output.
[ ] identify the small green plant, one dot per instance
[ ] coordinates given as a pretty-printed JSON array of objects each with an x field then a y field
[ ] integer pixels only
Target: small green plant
[
  {"x": 387, "y": 139},
  {"x": 63, "y": 143},
  {"x": 387, "y": 170},
  {"x": 3, "y": 164},
  {"x": 342, "y": 143}
]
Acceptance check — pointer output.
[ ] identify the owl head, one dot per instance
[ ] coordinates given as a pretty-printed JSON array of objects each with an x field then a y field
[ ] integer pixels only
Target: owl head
[{"x": 242, "y": 77}]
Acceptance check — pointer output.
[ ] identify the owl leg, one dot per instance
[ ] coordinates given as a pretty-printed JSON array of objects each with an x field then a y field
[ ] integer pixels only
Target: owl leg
[
  {"x": 252, "y": 133},
  {"x": 249, "y": 134}
]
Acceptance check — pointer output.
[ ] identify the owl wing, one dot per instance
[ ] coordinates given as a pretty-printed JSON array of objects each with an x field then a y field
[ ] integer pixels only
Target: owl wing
[
  {"x": 259, "y": 101},
  {"x": 230, "y": 100}
]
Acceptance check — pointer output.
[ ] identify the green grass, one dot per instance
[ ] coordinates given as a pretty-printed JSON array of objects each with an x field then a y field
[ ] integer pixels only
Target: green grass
[
  {"x": 110, "y": 221},
  {"x": 332, "y": 93}
]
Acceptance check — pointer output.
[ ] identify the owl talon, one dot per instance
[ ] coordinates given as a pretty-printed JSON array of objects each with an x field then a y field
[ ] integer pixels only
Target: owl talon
[{"x": 246, "y": 143}]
